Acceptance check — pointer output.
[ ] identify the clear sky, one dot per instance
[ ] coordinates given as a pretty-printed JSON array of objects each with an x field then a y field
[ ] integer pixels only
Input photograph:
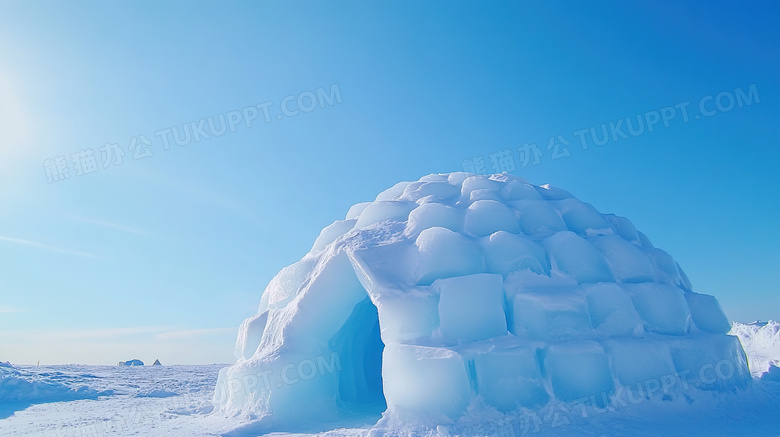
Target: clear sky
[{"x": 163, "y": 254}]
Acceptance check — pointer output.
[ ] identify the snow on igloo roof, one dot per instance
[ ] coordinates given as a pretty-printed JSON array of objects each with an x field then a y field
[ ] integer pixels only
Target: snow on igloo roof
[
  {"x": 460, "y": 286},
  {"x": 462, "y": 224}
]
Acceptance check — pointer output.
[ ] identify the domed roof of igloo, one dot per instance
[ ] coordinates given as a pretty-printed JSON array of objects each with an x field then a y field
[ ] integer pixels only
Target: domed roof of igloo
[{"x": 462, "y": 288}]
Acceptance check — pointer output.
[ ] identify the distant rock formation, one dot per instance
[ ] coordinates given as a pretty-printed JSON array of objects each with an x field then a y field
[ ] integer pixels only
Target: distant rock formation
[
  {"x": 156, "y": 363},
  {"x": 131, "y": 363}
]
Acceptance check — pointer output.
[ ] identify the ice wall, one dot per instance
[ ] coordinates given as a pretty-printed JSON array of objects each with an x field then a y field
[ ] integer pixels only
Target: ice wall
[{"x": 457, "y": 289}]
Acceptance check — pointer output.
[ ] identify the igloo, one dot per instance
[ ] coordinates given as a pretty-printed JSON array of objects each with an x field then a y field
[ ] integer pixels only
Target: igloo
[{"x": 459, "y": 289}]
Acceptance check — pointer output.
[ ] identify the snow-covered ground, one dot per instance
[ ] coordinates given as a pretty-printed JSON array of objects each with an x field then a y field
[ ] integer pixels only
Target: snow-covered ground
[
  {"x": 78, "y": 400},
  {"x": 176, "y": 401}
]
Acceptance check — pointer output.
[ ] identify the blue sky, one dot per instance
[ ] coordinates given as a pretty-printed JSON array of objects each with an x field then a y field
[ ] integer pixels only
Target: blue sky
[{"x": 162, "y": 256}]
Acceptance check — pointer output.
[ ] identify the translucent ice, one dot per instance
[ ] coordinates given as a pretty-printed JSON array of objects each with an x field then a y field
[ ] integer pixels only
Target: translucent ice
[
  {"x": 510, "y": 378},
  {"x": 249, "y": 335},
  {"x": 520, "y": 190},
  {"x": 355, "y": 211},
  {"x": 286, "y": 284},
  {"x": 330, "y": 233},
  {"x": 442, "y": 190},
  {"x": 408, "y": 315},
  {"x": 611, "y": 310},
  {"x": 627, "y": 261},
  {"x": 707, "y": 314},
  {"x": 425, "y": 379},
  {"x": 711, "y": 361},
  {"x": 582, "y": 217},
  {"x": 384, "y": 210},
  {"x": 578, "y": 258},
  {"x": 662, "y": 307},
  {"x": 636, "y": 361},
  {"x": 578, "y": 370},
  {"x": 623, "y": 227},
  {"x": 393, "y": 192},
  {"x": 505, "y": 253},
  {"x": 472, "y": 183},
  {"x": 556, "y": 315},
  {"x": 537, "y": 217},
  {"x": 445, "y": 254},
  {"x": 484, "y": 217},
  {"x": 471, "y": 307},
  {"x": 430, "y": 215}
]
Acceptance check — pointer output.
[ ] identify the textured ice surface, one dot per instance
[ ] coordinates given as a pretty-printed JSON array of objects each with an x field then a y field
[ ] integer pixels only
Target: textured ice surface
[
  {"x": 611, "y": 310},
  {"x": 483, "y": 217},
  {"x": 707, "y": 314},
  {"x": 628, "y": 262},
  {"x": 578, "y": 369},
  {"x": 506, "y": 253},
  {"x": 430, "y": 215},
  {"x": 508, "y": 378},
  {"x": 444, "y": 254},
  {"x": 458, "y": 291},
  {"x": 425, "y": 379},
  {"x": 551, "y": 315},
  {"x": 578, "y": 258},
  {"x": 636, "y": 360},
  {"x": 712, "y": 362},
  {"x": 471, "y": 307},
  {"x": 662, "y": 307}
]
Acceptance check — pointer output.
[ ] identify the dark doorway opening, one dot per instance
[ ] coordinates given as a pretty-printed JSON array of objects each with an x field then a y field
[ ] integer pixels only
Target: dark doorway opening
[{"x": 359, "y": 348}]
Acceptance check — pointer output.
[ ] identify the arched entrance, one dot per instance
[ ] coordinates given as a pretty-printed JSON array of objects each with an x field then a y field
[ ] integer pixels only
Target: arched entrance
[{"x": 359, "y": 347}]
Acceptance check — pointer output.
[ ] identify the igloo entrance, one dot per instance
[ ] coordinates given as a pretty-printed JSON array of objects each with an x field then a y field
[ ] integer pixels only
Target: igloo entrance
[{"x": 359, "y": 348}]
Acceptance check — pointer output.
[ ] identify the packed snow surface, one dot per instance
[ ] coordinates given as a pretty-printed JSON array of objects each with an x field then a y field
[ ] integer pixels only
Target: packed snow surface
[
  {"x": 78, "y": 400},
  {"x": 18, "y": 386},
  {"x": 460, "y": 296},
  {"x": 124, "y": 407}
]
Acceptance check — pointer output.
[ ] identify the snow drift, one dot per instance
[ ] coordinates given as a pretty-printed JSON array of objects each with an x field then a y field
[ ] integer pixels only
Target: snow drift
[
  {"x": 458, "y": 290},
  {"x": 761, "y": 342},
  {"x": 20, "y": 387}
]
